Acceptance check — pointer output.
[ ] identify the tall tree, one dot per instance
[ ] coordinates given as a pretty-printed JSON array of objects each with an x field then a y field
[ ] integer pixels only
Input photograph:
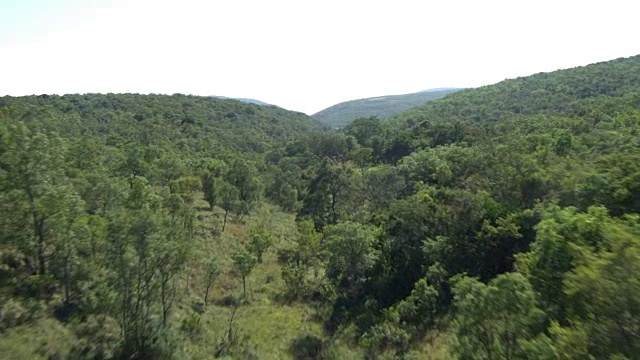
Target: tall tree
[
  {"x": 244, "y": 263},
  {"x": 210, "y": 191}
]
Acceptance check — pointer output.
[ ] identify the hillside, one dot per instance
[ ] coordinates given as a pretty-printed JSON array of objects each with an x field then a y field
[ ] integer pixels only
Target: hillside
[
  {"x": 341, "y": 114},
  {"x": 527, "y": 187},
  {"x": 576, "y": 92},
  {"x": 216, "y": 126},
  {"x": 244, "y": 100},
  {"x": 494, "y": 223}
]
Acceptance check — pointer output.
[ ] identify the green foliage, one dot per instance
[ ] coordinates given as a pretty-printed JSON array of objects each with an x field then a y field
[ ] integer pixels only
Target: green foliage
[
  {"x": 210, "y": 190},
  {"x": 229, "y": 199},
  {"x": 186, "y": 187},
  {"x": 603, "y": 291},
  {"x": 552, "y": 255},
  {"x": 14, "y": 313},
  {"x": 497, "y": 320},
  {"x": 244, "y": 263},
  {"x": 192, "y": 326},
  {"x": 213, "y": 271},
  {"x": 350, "y": 254},
  {"x": 364, "y": 130},
  {"x": 328, "y": 196},
  {"x": 260, "y": 241},
  {"x": 304, "y": 257},
  {"x": 502, "y": 217},
  {"x": 98, "y": 338}
]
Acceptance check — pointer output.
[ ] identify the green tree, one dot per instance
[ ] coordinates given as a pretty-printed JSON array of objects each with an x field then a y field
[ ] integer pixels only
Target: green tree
[
  {"x": 327, "y": 195},
  {"x": 243, "y": 177},
  {"x": 145, "y": 252},
  {"x": 228, "y": 195},
  {"x": 552, "y": 256},
  {"x": 307, "y": 255},
  {"x": 244, "y": 263},
  {"x": 213, "y": 271},
  {"x": 350, "y": 251},
  {"x": 40, "y": 212},
  {"x": 497, "y": 320},
  {"x": 210, "y": 190},
  {"x": 362, "y": 157},
  {"x": 364, "y": 129},
  {"x": 186, "y": 187},
  {"x": 603, "y": 291},
  {"x": 260, "y": 241}
]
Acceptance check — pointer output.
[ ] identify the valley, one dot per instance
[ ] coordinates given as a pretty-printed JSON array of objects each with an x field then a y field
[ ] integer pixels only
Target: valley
[{"x": 499, "y": 222}]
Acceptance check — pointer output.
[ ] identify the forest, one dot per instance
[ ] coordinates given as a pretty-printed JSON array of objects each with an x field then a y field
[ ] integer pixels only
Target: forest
[{"x": 495, "y": 223}]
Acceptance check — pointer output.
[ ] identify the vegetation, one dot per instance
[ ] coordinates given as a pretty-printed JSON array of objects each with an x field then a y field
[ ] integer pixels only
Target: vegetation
[
  {"x": 496, "y": 223},
  {"x": 340, "y": 115}
]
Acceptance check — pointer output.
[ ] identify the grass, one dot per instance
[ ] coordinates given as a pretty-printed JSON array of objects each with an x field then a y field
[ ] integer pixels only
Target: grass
[
  {"x": 271, "y": 326},
  {"x": 40, "y": 339}
]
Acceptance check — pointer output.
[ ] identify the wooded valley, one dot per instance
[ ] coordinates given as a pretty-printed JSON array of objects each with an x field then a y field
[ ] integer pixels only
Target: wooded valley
[{"x": 495, "y": 223}]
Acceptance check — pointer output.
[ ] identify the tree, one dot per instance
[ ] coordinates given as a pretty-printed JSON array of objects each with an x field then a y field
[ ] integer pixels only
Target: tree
[
  {"x": 306, "y": 255},
  {"x": 362, "y": 157},
  {"x": 260, "y": 241},
  {"x": 603, "y": 291},
  {"x": 210, "y": 190},
  {"x": 364, "y": 129},
  {"x": 327, "y": 194},
  {"x": 145, "y": 252},
  {"x": 244, "y": 263},
  {"x": 228, "y": 195},
  {"x": 350, "y": 252},
  {"x": 243, "y": 177},
  {"x": 497, "y": 320},
  {"x": 41, "y": 214},
  {"x": 213, "y": 271},
  {"x": 186, "y": 187},
  {"x": 552, "y": 253},
  {"x": 171, "y": 255}
]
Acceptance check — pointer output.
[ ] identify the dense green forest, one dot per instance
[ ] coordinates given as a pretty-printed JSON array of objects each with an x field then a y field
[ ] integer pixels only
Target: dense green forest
[
  {"x": 340, "y": 115},
  {"x": 495, "y": 223}
]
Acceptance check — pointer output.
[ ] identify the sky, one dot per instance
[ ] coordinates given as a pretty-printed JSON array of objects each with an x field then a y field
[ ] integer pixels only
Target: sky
[{"x": 301, "y": 55}]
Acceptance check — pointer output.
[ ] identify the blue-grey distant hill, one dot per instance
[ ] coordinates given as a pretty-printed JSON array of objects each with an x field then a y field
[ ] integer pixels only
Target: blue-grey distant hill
[
  {"x": 342, "y": 114},
  {"x": 245, "y": 100}
]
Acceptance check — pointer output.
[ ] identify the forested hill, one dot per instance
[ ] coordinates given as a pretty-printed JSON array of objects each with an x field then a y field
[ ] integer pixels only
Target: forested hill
[
  {"x": 578, "y": 92},
  {"x": 343, "y": 113},
  {"x": 198, "y": 123},
  {"x": 514, "y": 220}
]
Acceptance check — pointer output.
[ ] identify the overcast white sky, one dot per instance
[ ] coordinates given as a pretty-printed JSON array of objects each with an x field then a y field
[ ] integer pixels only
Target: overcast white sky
[{"x": 301, "y": 55}]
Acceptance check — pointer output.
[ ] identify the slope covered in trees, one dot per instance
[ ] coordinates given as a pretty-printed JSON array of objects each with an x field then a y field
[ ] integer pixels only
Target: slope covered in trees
[
  {"x": 489, "y": 213},
  {"x": 342, "y": 114},
  {"x": 496, "y": 223}
]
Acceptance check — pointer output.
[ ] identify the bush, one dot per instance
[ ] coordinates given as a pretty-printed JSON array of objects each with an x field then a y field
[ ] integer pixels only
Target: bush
[
  {"x": 308, "y": 347},
  {"x": 192, "y": 326},
  {"x": 13, "y": 313},
  {"x": 98, "y": 338}
]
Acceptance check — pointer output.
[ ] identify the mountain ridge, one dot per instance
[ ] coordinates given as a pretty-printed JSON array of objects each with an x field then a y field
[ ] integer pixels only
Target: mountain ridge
[
  {"x": 244, "y": 100},
  {"x": 341, "y": 114}
]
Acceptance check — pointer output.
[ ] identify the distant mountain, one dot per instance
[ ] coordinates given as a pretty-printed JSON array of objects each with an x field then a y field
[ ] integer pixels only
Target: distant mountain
[
  {"x": 342, "y": 114},
  {"x": 244, "y": 100},
  {"x": 440, "y": 89}
]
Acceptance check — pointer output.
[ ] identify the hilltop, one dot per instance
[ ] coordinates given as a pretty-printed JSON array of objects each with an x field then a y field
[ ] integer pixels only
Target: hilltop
[
  {"x": 341, "y": 114},
  {"x": 244, "y": 100}
]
